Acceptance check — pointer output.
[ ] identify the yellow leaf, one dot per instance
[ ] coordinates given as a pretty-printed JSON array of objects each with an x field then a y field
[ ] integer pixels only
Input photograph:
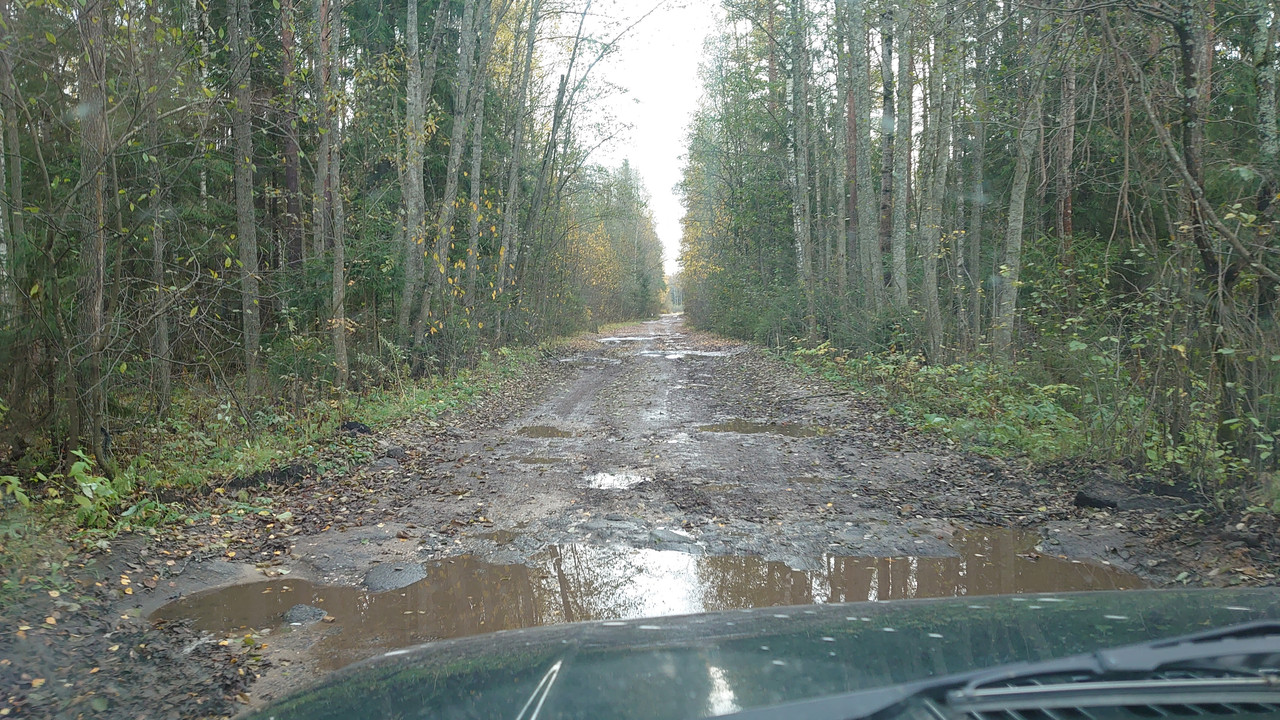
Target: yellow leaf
[
  {"x": 193, "y": 312},
  {"x": 226, "y": 263},
  {"x": 51, "y": 620},
  {"x": 37, "y": 682}
]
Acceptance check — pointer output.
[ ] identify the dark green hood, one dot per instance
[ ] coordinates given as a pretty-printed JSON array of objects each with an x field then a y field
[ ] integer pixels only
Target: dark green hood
[{"x": 703, "y": 665}]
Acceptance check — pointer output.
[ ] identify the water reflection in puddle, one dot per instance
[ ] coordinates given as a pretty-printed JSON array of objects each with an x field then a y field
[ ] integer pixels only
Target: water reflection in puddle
[
  {"x": 544, "y": 431},
  {"x": 626, "y": 338},
  {"x": 682, "y": 354},
  {"x": 748, "y": 427},
  {"x": 464, "y": 596},
  {"x": 615, "y": 481}
]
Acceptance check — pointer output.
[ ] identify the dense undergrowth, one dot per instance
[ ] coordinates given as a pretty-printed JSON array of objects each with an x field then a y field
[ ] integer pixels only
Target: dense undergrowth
[{"x": 1022, "y": 410}]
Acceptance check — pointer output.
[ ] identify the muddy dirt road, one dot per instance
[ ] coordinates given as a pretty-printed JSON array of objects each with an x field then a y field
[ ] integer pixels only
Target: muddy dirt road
[
  {"x": 660, "y": 471},
  {"x": 652, "y": 471}
]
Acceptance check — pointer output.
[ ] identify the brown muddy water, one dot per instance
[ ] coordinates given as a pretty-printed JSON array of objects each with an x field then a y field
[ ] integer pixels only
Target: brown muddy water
[{"x": 464, "y": 596}]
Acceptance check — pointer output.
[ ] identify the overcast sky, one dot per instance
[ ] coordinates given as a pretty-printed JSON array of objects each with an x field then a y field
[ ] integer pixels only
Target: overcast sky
[{"x": 658, "y": 65}]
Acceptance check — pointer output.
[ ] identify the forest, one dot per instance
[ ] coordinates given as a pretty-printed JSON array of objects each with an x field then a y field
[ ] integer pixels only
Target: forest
[
  {"x": 1043, "y": 230},
  {"x": 223, "y": 213},
  {"x": 1046, "y": 229}
]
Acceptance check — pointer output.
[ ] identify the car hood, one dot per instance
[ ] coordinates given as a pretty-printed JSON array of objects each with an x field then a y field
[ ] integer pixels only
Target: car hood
[{"x": 716, "y": 663}]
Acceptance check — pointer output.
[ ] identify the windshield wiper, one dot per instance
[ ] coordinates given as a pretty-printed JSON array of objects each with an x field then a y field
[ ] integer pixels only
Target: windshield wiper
[{"x": 1239, "y": 664}]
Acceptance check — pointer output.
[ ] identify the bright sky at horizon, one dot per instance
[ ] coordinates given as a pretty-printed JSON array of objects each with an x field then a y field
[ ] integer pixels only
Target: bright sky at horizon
[{"x": 657, "y": 64}]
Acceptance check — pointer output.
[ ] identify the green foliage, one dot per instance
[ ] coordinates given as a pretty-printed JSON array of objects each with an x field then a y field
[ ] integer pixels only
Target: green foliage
[
  {"x": 983, "y": 406},
  {"x": 11, "y": 485},
  {"x": 1160, "y": 383}
]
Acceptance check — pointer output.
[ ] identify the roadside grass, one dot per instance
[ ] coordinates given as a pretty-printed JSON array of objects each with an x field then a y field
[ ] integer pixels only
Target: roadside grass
[
  {"x": 1001, "y": 411},
  {"x": 206, "y": 440},
  {"x": 986, "y": 409}
]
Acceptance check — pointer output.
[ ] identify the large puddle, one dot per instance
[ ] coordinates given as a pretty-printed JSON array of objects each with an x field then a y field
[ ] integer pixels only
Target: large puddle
[{"x": 464, "y": 596}]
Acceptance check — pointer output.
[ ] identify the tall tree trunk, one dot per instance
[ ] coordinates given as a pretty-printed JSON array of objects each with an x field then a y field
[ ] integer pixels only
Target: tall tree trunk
[
  {"x": 1267, "y": 29},
  {"x": 862, "y": 200},
  {"x": 844, "y": 186},
  {"x": 9, "y": 109},
  {"x": 8, "y": 308},
  {"x": 94, "y": 145},
  {"x": 1065, "y": 183},
  {"x": 1192, "y": 31},
  {"x": 246, "y": 221},
  {"x": 799, "y": 147},
  {"x": 511, "y": 202},
  {"x": 198, "y": 17},
  {"x": 438, "y": 265},
  {"x": 413, "y": 191},
  {"x": 162, "y": 357},
  {"x": 937, "y": 152},
  {"x": 421, "y": 76},
  {"x": 338, "y": 320},
  {"x": 888, "y": 132},
  {"x": 902, "y": 161},
  {"x": 1004, "y": 317},
  {"x": 972, "y": 326},
  {"x": 320, "y": 190},
  {"x": 487, "y": 37},
  {"x": 292, "y": 161},
  {"x": 477, "y": 216},
  {"x": 959, "y": 265}
]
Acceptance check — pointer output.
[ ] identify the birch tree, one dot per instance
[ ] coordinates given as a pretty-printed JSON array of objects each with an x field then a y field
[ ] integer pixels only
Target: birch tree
[
  {"x": 902, "y": 158},
  {"x": 1004, "y": 315},
  {"x": 937, "y": 153}
]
